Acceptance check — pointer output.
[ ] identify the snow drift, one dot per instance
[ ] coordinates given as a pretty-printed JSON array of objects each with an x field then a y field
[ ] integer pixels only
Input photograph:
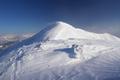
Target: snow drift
[{"x": 62, "y": 52}]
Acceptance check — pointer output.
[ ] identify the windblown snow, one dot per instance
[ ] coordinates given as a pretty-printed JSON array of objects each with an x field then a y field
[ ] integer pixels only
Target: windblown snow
[{"x": 62, "y": 52}]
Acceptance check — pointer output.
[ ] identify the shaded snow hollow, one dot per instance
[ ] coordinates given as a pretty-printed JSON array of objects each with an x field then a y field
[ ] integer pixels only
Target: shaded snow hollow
[{"x": 62, "y": 52}]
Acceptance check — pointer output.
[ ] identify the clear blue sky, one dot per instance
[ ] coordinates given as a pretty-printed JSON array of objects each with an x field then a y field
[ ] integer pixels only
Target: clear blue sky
[{"x": 21, "y": 16}]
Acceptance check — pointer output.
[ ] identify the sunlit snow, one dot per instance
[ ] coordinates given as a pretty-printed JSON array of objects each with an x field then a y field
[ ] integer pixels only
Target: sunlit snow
[{"x": 62, "y": 52}]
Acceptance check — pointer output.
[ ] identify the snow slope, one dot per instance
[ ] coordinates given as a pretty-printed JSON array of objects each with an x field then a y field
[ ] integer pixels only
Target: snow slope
[
  {"x": 62, "y": 52},
  {"x": 64, "y": 31}
]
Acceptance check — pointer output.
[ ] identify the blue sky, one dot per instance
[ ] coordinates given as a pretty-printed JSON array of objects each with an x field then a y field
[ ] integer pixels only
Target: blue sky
[{"x": 22, "y": 16}]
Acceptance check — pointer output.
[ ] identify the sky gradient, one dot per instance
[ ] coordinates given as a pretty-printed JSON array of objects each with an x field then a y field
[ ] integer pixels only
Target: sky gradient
[{"x": 22, "y": 16}]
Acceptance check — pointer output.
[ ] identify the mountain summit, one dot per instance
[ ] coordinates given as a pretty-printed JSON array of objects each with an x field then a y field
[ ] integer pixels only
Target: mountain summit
[
  {"x": 63, "y": 31},
  {"x": 51, "y": 54}
]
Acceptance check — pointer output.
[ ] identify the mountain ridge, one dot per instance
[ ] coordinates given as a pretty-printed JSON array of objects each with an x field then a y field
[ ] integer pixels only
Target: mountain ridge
[
  {"x": 52, "y": 55},
  {"x": 63, "y": 31}
]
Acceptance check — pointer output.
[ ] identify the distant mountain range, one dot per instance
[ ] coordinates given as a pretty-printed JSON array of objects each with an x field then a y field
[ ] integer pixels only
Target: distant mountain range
[
  {"x": 14, "y": 37},
  {"x": 8, "y": 39}
]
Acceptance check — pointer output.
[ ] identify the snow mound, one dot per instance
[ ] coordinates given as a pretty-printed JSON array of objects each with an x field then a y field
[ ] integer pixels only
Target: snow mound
[{"x": 63, "y": 31}]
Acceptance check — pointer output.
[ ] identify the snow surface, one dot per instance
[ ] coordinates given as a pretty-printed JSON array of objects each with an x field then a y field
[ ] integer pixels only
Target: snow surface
[
  {"x": 64, "y": 31},
  {"x": 62, "y": 52}
]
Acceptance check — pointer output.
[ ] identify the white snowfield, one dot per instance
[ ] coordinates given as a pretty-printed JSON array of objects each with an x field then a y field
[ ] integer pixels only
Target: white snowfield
[{"x": 62, "y": 52}]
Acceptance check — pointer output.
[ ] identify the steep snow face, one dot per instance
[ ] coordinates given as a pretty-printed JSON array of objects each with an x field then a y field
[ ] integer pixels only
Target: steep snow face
[
  {"x": 64, "y": 31},
  {"x": 58, "y": 30}
]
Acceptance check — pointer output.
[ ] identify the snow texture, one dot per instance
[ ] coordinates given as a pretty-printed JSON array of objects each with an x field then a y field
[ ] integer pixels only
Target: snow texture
[{"x": 62, "y": 52}]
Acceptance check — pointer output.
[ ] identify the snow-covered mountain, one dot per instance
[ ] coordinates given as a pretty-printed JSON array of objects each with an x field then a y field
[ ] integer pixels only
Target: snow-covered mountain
[
  {"x": 62, "y": 52},
  {"x": 64, "y": 31}
]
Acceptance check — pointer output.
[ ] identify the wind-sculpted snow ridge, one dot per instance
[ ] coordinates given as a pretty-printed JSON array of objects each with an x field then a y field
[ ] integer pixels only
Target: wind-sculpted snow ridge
[{"x": 62, "y": 52}]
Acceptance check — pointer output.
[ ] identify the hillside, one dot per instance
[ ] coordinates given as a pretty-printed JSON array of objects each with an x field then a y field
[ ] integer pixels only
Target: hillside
[{"x": 62, "y": 52}]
